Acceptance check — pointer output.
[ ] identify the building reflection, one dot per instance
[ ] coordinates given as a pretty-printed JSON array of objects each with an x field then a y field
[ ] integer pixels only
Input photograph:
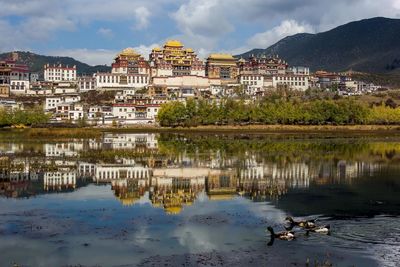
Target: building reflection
[
  {"x": 106, "y": 173},
  {"x": 129, "y": 190},
  {"x": 222, "y": 184},
  {"x": 63, "y": 179},
  {"x": 171, "y": 181},
  {"x": 138, "y": 142},
  {"x": 174, "y": 188}
]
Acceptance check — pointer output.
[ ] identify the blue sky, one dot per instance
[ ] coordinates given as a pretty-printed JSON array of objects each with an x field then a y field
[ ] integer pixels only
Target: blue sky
[{"x": 93, "y": 31}]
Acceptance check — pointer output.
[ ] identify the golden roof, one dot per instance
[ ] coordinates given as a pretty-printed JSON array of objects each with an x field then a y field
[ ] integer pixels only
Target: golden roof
[
  {"x": 221, "y": 56},
  {"x": 173, "y": 43},
  {"x": 157, "y": 49},
  {"x": 189, "y": 50},
  {"x": 129, "y": 201},
  {"x": 128, "y": 52},
  {"x": 173, "y": 210}
]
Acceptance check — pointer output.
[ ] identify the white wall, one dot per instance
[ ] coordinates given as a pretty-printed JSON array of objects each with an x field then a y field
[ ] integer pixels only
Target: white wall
[
  {"x": 51, "y": 102},
  {"x": 110, "y": 80},
  {"x": 185, "y": 81},
  {"x": 298, "y": 82},
  {"x": 59, "y": 73},
  {"x": 19, "y": 86}
]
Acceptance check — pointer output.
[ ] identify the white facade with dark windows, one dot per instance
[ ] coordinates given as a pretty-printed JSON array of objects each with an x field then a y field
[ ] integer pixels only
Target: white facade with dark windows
[
  {"x": 59, "y": 73},
  {"x": 113, "y": 80},
  {"x": 297, "y": 82}
]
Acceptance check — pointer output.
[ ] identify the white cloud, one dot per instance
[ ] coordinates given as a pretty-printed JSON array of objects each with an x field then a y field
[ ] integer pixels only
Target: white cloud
[
  {"x": 20, "y": 36},
  {"x": 142, "y": 15},
  {"x": 205, "y": 25},
  {"x": 396, "y": 4},
  {"x": 202, "y": 23},
  {"x": 269, "y": 37},
  {"x": 203, "y": 18},
  {"x": 91, "y": 57},
  {"x": 145, "y": 50},
  {"x": 38, "y": 20},
  {"x": 31, "y": 8},
  {"x": 98, "y": 56}
]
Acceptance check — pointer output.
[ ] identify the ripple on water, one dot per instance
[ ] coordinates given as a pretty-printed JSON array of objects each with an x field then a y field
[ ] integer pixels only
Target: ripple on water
[
  {"x": 379, "y": 237},
  {"x": 379, "y": 230}
]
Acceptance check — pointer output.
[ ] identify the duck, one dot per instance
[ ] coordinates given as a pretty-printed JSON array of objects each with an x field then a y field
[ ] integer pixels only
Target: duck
[
  {"x": 326, "y": 229},
  {"x": 285, "y": 235},
  {"x": 307, "y": 224}
]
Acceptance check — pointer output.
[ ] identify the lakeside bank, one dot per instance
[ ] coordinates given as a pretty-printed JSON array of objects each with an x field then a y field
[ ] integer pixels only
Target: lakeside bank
[{"x": 93, "y": 132}]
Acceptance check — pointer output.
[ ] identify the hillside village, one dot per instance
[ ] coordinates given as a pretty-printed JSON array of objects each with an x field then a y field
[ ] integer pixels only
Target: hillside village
[{"x": 137, "y": 87}]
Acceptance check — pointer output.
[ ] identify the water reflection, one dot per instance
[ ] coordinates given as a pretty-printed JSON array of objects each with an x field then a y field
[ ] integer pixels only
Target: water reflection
[
  {"x": 146, "y": 195},
  {"x": 174, "y": 170}
]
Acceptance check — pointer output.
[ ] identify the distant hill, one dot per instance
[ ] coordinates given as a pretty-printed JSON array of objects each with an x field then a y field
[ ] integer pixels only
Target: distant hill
[
  {"x": 370, "y": 45},
  {"x": 36, "y": 62}
]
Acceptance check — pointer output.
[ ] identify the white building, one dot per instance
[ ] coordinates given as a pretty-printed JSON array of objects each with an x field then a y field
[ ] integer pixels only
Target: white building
[
  {"x": 119, "y": 81},
  {"x": 297, "y": 82},
  {"x": 63, "y": 149},
  {"x": 86, "y": 169},
  {"x": 58, "y": 180},
  {"x": 186, "y": 82},
  {"x": 19, "y": 87},
  {"x": 65, "y": 88},
  {"x": 58, "y": 73},
  {"x": 76, "y": 113},
  {"x": 95, "y": 113},
  {"x": 253, "y": 83},
  {"x": 135, "y": 114},
  {"x": 53, "y": 101},
  {"x": 110, "y": 172},
  {"x": 300, "y": 70},
  {"x": 130, "y": 141},
  {"x": 86, "y": 83}
]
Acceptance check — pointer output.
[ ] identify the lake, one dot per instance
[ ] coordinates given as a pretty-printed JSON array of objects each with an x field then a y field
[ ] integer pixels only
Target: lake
[{"x": 170, "y": 199}]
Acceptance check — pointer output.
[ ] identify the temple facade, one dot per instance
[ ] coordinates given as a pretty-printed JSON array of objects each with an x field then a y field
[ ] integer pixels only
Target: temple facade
[
  {"x": 130, "y": 62},
  {"x": 175, "y": 60},
  {"x": 129, "y": 69},
  {"x": 11, "y": 70},
  {"x": 261, "y": 72},
  {"x": 263, "y": 65},
  {"x": 223, "y": 67}
]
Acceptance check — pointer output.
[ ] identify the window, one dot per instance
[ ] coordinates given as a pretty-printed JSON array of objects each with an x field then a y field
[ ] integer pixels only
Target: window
[{"x": 225, "y": 73}]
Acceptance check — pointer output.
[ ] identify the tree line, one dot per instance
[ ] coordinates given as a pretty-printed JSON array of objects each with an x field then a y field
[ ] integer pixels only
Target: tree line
[
  {"x": 12, "y": 117},
  {"x": 276, "y": 111}
]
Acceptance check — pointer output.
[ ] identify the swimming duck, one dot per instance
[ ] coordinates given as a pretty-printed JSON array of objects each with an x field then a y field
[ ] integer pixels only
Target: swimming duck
[
  {"x": 326, "y": 229},
  {"x": 285, "y": 235},
  {"x": 307, "y": 224}
]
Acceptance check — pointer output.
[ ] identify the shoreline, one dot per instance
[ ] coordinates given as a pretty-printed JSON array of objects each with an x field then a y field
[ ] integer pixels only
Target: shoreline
[{"x": 248, "y": 129}]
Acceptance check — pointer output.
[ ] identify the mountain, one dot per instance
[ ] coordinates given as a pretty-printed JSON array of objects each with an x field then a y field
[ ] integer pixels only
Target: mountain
[
  {"x": 370, "y": 45},
  {"x": 36, "y": 62}
]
